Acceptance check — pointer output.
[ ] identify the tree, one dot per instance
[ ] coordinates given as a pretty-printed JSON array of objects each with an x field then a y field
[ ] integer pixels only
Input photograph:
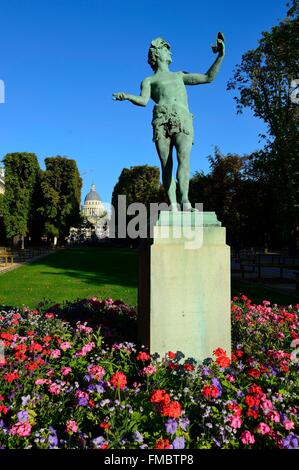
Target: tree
[
  {"x": 61, "y": 193},
  {"x": 263, "y": 83},
  {"x": 21, "y": 170}
]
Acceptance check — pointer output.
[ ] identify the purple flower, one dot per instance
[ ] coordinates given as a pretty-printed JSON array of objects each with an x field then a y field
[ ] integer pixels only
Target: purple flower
[
  {"x": 290, "y": 442},
  {"x": 171, "y": 426},
  {"x": 22, "y": 416},
  {"x": 217, "y": 384},
  {"x": 137, "y": 437},
  {"x": 100, "y": 388},
  {"x": 98, "y": 442},
  {"x": 52, "y": 438},
  {"x": 83, "y": 401},
  {"x": 184, "y": 423},
  {"x": 178, "y": 443}
]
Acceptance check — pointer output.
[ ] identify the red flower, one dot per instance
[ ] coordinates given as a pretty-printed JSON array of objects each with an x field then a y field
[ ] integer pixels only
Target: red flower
[
  {"x": 254, "y": 373},
  {"x": 210, "y": 391},
  {"x": 160, "y": 396},
  {"x": 11, "y": 376},
  {"x": 162, "y": 444},
  {"x": 171, "y": 355},
  {"x": 173, "y": 366},
  {"x": 91, "y": 403},
  {"x": 7, "y": 336},
  {"x": 251, "y": 401},
  {"x": 35, "y": 347},
  {"x": 143, "y": 356},
  {"x": 223, "y": 361},
  {"x": 239, "y": 353},
  {"x": 254, "y": 414},
  {"x": 219, "y": 352},
  {"x": 119, "y": 380},
  {"x": 235, "y": 409},
  {"x": 20, "y": 356},
  {"x": 172, "y": 409},
  {"x": 3, "y": 409},
  {"x": 256, "y": 389},
  {"x": 189, "y": 367},
  {"x": 47, "y": 338},
  {"x": 104, "y": 425}
]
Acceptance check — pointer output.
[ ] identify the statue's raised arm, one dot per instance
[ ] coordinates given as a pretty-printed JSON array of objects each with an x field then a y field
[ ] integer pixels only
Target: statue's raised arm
[{"x": 208, "y": 77}]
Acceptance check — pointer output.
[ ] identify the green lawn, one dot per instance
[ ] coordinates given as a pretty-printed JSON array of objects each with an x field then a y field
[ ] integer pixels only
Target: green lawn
[
  {"x": 103, "y": 272},
  {"x": 71, "y": 274}
]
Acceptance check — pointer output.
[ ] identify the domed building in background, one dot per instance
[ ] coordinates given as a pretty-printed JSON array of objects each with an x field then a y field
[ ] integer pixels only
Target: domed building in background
[
  {"x": 93, "y": 208},
  {"x": 94, "y": 212}
]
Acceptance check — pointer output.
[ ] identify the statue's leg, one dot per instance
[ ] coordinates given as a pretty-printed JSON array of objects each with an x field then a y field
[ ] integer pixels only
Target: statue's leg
[
  {"x": 164, "y": 148},
  {"x": 183, "y": 144}
]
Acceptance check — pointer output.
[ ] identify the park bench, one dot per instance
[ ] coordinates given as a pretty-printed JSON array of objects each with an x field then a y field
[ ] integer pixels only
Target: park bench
[{"x": 5, "y": 257}]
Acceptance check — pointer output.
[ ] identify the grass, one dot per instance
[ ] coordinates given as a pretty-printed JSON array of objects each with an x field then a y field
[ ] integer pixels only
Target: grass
[
  {"x": 71, "y": 274},
  {"x": 103, "y": 272}
]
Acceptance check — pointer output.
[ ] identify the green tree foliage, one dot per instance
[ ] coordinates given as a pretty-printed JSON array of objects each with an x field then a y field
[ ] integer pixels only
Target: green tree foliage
[
  {"x": 60, "y": 194},
  {"x": 21, "y": 170},
  {"x": 263, "y": 83}
]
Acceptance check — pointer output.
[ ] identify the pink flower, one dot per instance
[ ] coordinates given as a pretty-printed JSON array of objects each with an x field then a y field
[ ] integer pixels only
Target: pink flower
[
  {"x": 86, "y": 349},
  {"x": 263, "y": 428},
  {"x": 81, "y": 394},
  {"x": 273, "y": 416},
  {"x": 235, "y": 422},
  {"x": 65, "y": 345},
  {"x": 55, "y": 353},
  {"x": 230, "y": 378},
  {"x": 149, "y": 370},
  {"x": 66, "y": 370},
  {"x": 96, "y": 372},
  {"x": 288, "y": 424},
  {"x": 266, "y": 405},
  {"x": 71, "y": 426},
  {"x": 22, "y": 429},
  {"x": 247, "y": 438},
  {"x": 42, "y": 381},
  {"x": 55, "y": 389}
]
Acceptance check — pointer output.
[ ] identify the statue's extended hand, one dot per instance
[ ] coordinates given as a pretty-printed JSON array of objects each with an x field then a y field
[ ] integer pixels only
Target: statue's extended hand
[
  {"x": 219, "y": 46},
  {"x": 119, "y": 96}
]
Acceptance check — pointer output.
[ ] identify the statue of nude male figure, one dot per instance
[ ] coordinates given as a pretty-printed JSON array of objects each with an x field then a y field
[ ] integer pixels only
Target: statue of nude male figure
[{"x": 172, "y": 122}]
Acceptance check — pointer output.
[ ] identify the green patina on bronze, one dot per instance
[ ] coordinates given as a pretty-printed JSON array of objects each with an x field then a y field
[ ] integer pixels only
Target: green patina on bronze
[{"x": 172, "y": 122}]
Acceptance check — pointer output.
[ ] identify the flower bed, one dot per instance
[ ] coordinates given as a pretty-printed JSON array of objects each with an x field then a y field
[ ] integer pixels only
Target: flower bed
[{"x": 72, "y": 378}]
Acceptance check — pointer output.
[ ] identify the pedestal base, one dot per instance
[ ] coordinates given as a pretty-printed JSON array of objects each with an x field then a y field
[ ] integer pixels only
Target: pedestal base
[{"x": 184, "y": 289}]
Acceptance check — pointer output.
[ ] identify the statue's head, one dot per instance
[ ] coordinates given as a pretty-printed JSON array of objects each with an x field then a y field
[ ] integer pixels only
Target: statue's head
[{"x": 156, "y": 47}]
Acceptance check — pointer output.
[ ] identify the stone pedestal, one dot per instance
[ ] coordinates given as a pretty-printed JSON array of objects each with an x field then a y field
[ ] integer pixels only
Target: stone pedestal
[{"x": 184, "y": 286}]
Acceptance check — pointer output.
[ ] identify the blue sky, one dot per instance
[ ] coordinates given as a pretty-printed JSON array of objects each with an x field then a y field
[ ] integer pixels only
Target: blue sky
[{"x": 61, "y": 60}]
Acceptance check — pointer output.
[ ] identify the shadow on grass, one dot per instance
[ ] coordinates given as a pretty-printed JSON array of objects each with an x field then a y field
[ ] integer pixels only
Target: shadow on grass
[{"x": 100, "y": 265}]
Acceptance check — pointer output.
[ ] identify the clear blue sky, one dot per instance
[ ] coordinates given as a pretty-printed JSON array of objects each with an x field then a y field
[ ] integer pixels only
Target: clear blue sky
[{"x": 61, "y": 60}]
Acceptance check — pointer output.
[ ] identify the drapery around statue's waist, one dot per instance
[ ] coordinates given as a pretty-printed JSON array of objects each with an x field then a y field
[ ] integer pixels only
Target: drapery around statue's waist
[{"x": 171, "y": 120}]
